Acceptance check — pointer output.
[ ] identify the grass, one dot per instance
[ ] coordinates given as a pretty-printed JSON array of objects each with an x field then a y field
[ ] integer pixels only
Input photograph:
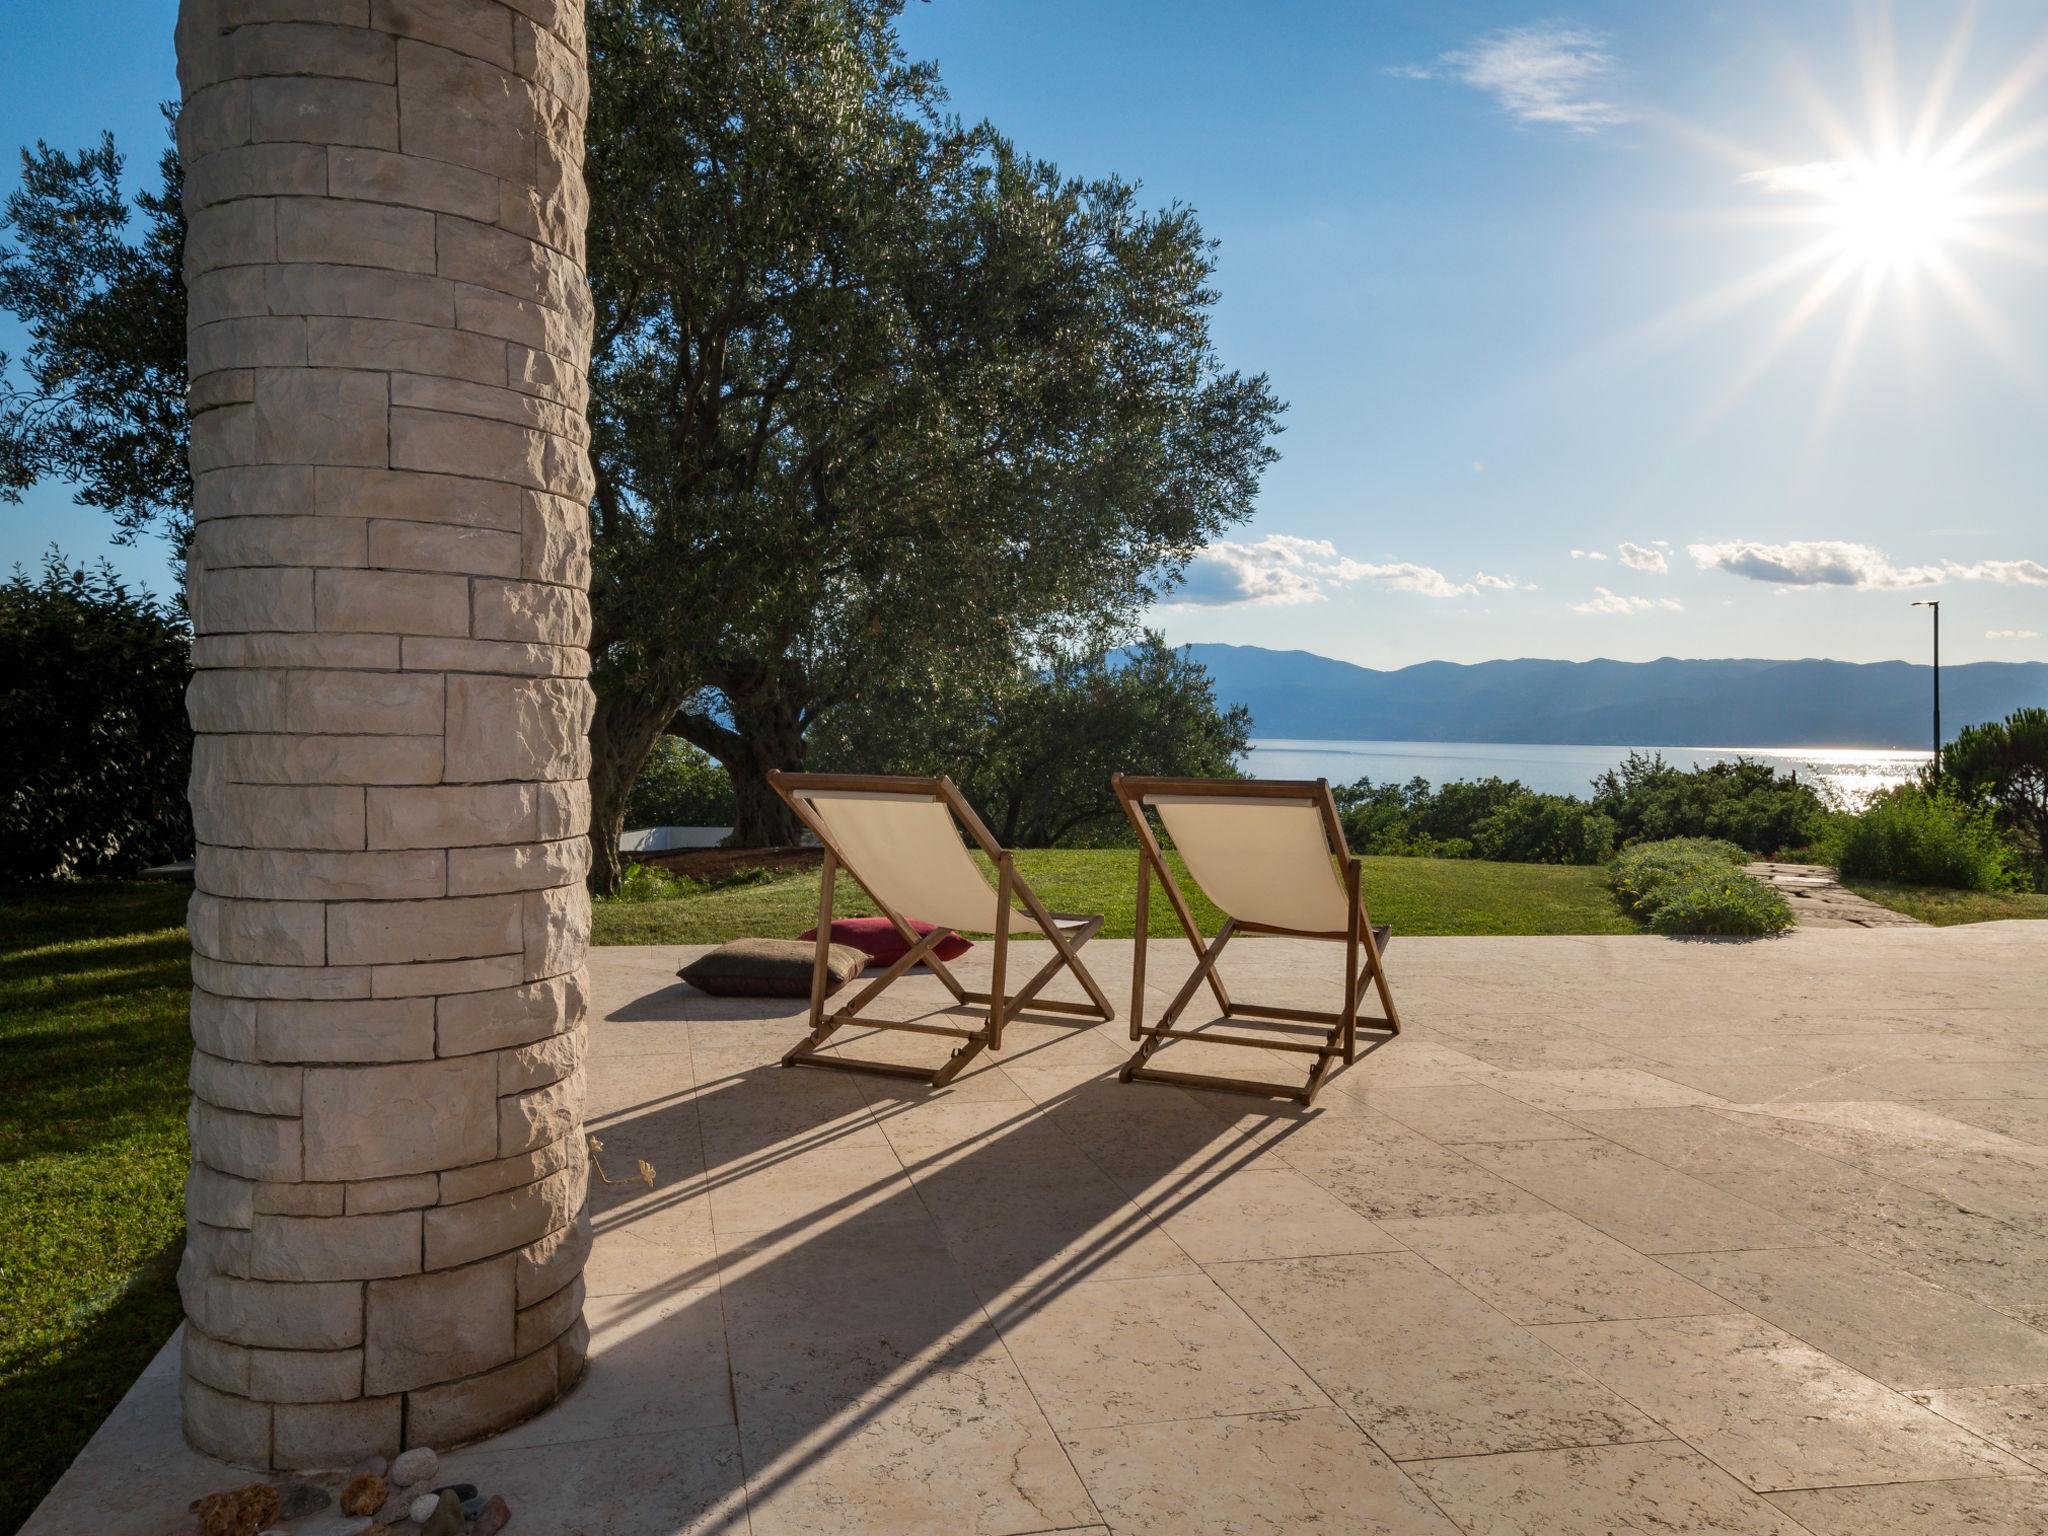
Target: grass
[
  {"x": 1945, "y": 908},
  {"x": 93, "y": 987},
  {"x": 1418, "y": 896}
]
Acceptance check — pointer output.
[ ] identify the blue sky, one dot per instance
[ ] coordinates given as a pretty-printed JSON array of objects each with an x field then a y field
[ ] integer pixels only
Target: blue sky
[{"x": 1477, "y": 248}]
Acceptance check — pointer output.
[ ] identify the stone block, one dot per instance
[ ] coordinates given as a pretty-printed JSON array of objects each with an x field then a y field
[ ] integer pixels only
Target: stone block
[
  {"x": 309, "y": 816},
  {"x": 407, "y": 1192},
  {"x": 308, "y": 110},
  {"x": 223, "y": 1250},
  {"x": 552, "y": 378},
  {"x": 214, "y": 118},
  {"x": 531, "y": 610},
  {"x": 237, "y": 600},
  {"x": 275, "y": 650},
  {"x": 270, "y": 874},
  {"x": 222, "y": 1366},
  {"x": 434, "y": 978},
  {"x": 229, "y": 1427},
  {"x": 319, "y": 416},
  {"x": 469, "y": 1409},
  {"x": 215, "y": 440},
  {"x": 219, "y": 1199},
  {"x": 418, "y": 498},
  {"x": 465, "y": 110},
  {"x": 246, "y": 342},
  {"x": 391, "y": 602},
  {"x": 452, "y": 816},
  {"x": 226, "y": 542},
  {"x": 257, "y": 170},
  {"x": 294, "y": 981},
  {"x": 517, "y": 728},
  {"x": 557, "y": 930},
  {"x": 553, "y": 65},
  {"x": 264, "y": 1147},
  {"x": 444, "y": 547},
  {"x": 557, "y": 332},
  {"x": 316, "y": 703},
  {"x": 226, "y": 386},
  {"x": 253, "y": 490},
  {"x": 572, "y": 1353},
  {"x": 315, "y": 288},
  {"x": 331, "y": 1436},
  {"x": 401, "y": 932},
  {"x": 544, "y": 1062},
  {"x": 252, "y": 1088},
  {"x": 405, "y": 349},
  {"x": 226, "y": 1026},
  {"x": 305, "y": 1375},
  {"x": 521, "y": 867},
  {"x": 271, "y": 1315},
  {"x": 438, "y": 1325},
  {"x": 366, "y": 760},
  {"x": 548, "y": 1319},
  {"x": 481, "y": 1179},
  {"x": 547, "y": 1265},
  {"x": 370, "y": 1030},
  {"x": 489, "y": 1021},
  {"x": 511, "y": 658},
  {"x": 335, "y": 1247},
  {"x": 299, "y": 1199},
  {"x": 372, "y": 1122},
  {"x": 564, "y": 809},
  {"x": 236, "y": 234},
  {"x": 504, "y": 260},
  {"x": 459, "y": 396},
  {"x": 500, "y": 1223},
  {"x": 227, "y": 293},
  {"x": 257, "y": 932},
  {"x": 340, "y": 13},
  {"x": 555, "y": 540},
  {"x": 302, "y": 48},
  {"x": 441, "y": 442},
  {"x": 481, "y": 31},
  {"x": 540, "y": 1115},
  {"x": 352, "y": 233}
]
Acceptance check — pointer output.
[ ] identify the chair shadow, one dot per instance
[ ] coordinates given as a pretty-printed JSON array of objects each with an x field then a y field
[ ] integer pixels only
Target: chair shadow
[{"x": 837, "y": 1315}]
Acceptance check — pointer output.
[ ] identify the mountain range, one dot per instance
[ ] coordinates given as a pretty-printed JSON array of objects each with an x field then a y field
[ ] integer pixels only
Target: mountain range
[{"x": 1667, "y": 702}]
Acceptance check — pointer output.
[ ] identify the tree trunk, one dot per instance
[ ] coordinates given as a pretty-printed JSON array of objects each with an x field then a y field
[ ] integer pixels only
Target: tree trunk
[
  {"x": 628, "y": 722},
  {"x": 766, "y": 735}
]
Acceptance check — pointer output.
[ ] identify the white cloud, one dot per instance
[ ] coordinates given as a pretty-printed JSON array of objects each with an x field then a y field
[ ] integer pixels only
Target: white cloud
[
  {"x": 1604, "y": 601},
  {"x": 1550, "y": 73},
  {"x": 1813, "y": 178},
  {"x": 1638, "y": 558},
  {"x": 1281, "y": 570},
  {"x": 1503, "y": 583},
  {"x": 1587, "y": 554},
  {"x": 2012, "y": 634},
  {"x": 1837, "y": 563}
]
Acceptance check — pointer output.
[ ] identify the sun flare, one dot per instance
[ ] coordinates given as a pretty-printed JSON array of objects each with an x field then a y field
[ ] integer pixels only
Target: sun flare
[{"x": 1893, "y": 213}]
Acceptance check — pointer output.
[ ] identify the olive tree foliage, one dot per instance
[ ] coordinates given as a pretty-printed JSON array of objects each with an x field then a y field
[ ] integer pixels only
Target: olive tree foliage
[
  {"x": 1033, "y": 748},
  {"x": 874, "y": 391},
  {"x": 98, "y": 396},
  {"x": 2003, "y": 765}
]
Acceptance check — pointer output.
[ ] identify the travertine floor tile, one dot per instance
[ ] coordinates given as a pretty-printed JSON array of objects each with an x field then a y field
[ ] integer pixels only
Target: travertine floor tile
[
  {"x": 1271, "y": 1474},
  {"x": 2013, "y": 1418},
  {"x": 1984, "y": 1506},
  {"x": 1635, "y": 1199},
  {"x": 664, "y": 1483},
  {"x": 1424, "y": 1366},
  {"x": 1146, "y": 1350},
  {"x": 1409, "y": 1176},
  {"x": 1258, "y": 1213},
  {"x": 788, "y": 1187},
  {"x": 1467, "y": 1112},
  {"x": 1564, "y": 1089},
  {"x": 1893, "y": 1327},
  {"x": 657, "y": 1361},
  {"x": 2026, "y": 1119},
  {"x": 1771, "y": 1410},
  {"x": 1662, "y": 1487},
  {"x": 1547, "y": 1267}
]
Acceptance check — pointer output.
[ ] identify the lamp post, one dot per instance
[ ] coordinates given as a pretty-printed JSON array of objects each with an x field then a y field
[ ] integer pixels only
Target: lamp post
[{"x": 1935, "y": 604}]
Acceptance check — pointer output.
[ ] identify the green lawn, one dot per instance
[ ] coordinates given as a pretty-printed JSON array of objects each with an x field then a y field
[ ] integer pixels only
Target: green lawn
[
  {"x": 93, "y": 985},
  {"x": 1945, "y": 908},
  {"x": 1418, "y": 896}
]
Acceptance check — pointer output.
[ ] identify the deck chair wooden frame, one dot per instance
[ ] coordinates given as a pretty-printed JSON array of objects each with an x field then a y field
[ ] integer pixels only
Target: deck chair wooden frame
[
  {"x": 1067, "y": 931},
  {"x": 1330, "y": 1036}
]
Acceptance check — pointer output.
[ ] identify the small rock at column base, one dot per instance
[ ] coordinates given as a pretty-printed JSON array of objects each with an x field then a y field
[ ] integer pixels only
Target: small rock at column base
[
  {"x": 493, "y": 1517},
  {"x": 414, "y": 1466}
]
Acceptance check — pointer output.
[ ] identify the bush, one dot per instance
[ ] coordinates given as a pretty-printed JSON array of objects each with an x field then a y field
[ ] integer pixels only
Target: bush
[
  {"x": 1917, "y": 835},
  {"x": 1743, "y": 801},
  {"x": 2003, "y": 765},
  {"x": 679, "y": 786},
  {"x": 95, "y": 752},
  {"x": 1696, "y": 885},
  {"x": 1544, "y": 829}
]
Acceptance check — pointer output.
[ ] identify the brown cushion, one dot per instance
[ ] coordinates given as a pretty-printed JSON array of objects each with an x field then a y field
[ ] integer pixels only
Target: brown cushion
[{"x": 770, "y": 968}]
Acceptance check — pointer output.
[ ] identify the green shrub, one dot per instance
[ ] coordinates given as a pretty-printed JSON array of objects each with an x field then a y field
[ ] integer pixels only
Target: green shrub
[
  {"x": 644, "y": 882},
  {"x": 2003, "y": 765},
  {"x": 1696, "y": 885},
  {"x": 1544, "y": 829},
  {"x": 1916, "y": 835},
  {"x": 1744, "y": 801},
  {"x": 680, "y": 786}
]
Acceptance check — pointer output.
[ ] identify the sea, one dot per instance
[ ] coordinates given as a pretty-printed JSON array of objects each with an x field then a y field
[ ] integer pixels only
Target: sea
[{"x": 1849, "y": 775}]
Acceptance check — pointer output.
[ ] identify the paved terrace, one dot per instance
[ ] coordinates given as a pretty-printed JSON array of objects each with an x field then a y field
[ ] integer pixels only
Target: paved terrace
[{"x": 1622, "y": 1233}]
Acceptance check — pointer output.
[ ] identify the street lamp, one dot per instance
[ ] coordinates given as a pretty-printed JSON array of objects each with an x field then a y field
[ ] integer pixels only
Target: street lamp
[{"x": 1935, "y": 604}]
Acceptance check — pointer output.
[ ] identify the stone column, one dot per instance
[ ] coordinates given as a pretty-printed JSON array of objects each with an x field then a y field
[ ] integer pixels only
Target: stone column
[{"x": 389, "y": 333}]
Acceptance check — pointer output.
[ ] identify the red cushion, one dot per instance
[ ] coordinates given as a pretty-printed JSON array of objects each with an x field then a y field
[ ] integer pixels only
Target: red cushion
[{"x": 878, "y": 938}]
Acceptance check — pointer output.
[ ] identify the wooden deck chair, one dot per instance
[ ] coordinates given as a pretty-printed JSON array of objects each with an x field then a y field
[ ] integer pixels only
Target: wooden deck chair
[
  {"x": 899, "y": 838},
  {"x": 1267, "y": 853}
]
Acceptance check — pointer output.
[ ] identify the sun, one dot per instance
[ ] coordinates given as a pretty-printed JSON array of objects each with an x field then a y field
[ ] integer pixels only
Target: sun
[{"x": 1895, "y": 214}]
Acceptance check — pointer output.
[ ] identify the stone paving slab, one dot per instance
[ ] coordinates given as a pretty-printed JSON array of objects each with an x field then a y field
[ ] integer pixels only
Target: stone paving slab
[
  {"x": 1819, "y": 900},
  {"x": 1531, "y": 1267}
]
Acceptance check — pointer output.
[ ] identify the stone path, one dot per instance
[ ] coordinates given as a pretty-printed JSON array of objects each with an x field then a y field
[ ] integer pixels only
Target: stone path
[
  {"x": 1819, "y": 900},
  {"x": 1621, "y": 1234}
]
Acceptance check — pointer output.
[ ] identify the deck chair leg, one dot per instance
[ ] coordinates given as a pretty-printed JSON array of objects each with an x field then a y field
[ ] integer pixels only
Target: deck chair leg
[{"x": 1153, "y": 1039}]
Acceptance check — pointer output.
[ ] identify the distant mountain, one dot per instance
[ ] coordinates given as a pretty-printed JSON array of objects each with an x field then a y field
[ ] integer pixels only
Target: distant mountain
[{"x": 1662, "y": 703}]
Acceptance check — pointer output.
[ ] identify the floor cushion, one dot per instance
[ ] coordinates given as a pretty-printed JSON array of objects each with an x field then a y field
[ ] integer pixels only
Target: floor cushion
[
  {"x": 771, "y": 968},
  {"x": 877, "y": 938}
]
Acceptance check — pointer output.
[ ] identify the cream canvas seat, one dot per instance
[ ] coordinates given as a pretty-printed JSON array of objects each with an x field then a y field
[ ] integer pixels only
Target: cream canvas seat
[
  {"x": 1267, "y": 854},
  {"x": 900, "y": 840}
]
